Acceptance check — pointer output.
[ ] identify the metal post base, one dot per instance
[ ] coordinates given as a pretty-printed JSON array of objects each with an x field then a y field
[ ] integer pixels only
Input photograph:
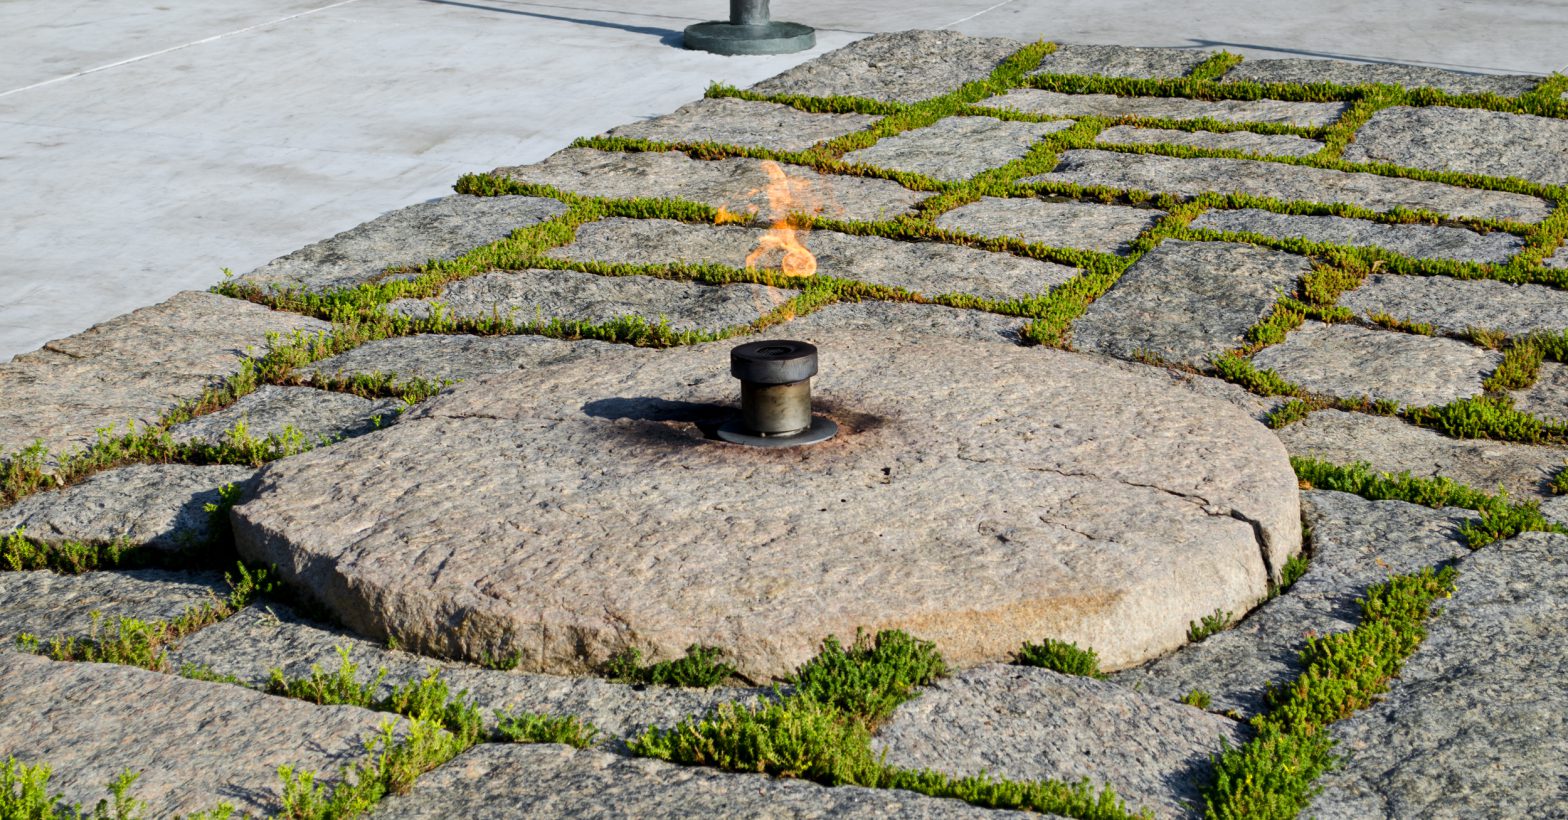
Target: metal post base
[
  {"x": 821, "y": 429},
  {"x": 721, "y": 37}
]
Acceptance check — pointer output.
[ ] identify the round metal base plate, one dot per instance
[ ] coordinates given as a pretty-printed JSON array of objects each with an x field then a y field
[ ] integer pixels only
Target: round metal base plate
[
  {"x": 821, "y": 429},
  {"x": 722, "y": 37}
]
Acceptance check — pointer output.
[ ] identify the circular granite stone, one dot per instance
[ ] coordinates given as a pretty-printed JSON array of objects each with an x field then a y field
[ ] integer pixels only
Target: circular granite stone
[{"x": 979, "y": 495}]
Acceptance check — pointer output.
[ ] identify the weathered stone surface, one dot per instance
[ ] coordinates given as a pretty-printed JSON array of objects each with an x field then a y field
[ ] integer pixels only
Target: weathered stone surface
[
  {"x": 550, "y": 780},
  {"x": 1351, "y": 361},
  {"x": 1187, "y": 302},
  {"x": 747, "y": 123},
  {"x": 957, "y": 148},
  {"x": 899, "y": 318},
  {"x": 1134, "y": 493},
  {"x": 48, "y": 605},
  {"x": 1066, "y": 224},
  {"x": 454, "y": 358},
  {"x": 318, "y": 415},
  {"x": 153, "y": 505},
  {"x": 194, "y": 744},
  {"x": 1190, "y": 177},
  {"x": 1558, "y": 260},
  {"x": 1024, "y": 723},
  {"x": 1467, "y": 140},
  {"x": 1476, "y": 723},
  {"x": 1355, "y": 543},
  {"x": 1121, "y": 61},
  {"x": 1254, "y": 405},
  {"x": 1391, "y": 445},
  {"x": 1340, "y": 72},
  {"x": 1556, "y": 510},
  {"x": 527, "y": 295},
  {"x": 737, "y": 184},
  {"x": 1261, "y": 144},
  {"x": 931, "y": 268},
  {"x": 1056, "y": 104},
  {"x": 132, "y": 368},
  {"x": 444, "y": 228},
  {"x": 907, "y": 66},
  {"x": 1420, "y": 241},
  {"x": 1453, "y": 305},
  {"x": 1548, "y": 397}
]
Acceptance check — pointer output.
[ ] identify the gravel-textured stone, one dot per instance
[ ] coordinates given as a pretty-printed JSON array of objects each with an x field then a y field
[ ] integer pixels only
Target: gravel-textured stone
[
  {"x": 1558, "y": 260},
  {"x": 1340, "y": 72},
  {"x": 747, "y": 123},
  {"x": 1187, "y": 302},
  {"x": 1477, "y": 724},
  {"x": 1391, "y": 445},
  {"x": 454, "y": 358},
  {"x": 318, "y": 415},
  {"x": 444, "y": 228},
  {"x": 1548, "y": 397},
  {"x": 1556, "y": 510},
  {"x": 739, "y": 184},
  {"x": 1351, "y": 361},
  {"x": 1256, "y": 406},
  {"x": 1420, "y": 241},
  {"x": 1190, "y": 177},
  {"x": 474, "y": 509},
  {"x": 902, "y": 318},
  {"x": 48, "y": 605},
  {"x": 134, "y": 367},
  {"x": 1026, "y": 724},
  {"x": 1453, "y": 305},
  {"x": 1122, "y": 61},
  {"x": 907, "y": 66},
  {"x": 194, "y": 744},
  {"x": 1056, "y": 104},
  {"x": 1262, "y": 144},
  {"x": 957, "y": 148},
  {"x": 1467, "y": 140},
  {"x": 550, "y": 780},
  {"x": 150, "y": 505},
  {"x": 931, "y": 268},
  {"x": 1066, "y": 224},
  {"x": 1355, "y": 543}
]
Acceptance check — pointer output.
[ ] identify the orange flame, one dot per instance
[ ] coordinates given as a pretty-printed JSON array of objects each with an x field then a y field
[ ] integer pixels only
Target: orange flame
[{"x": 782, "y": 236}]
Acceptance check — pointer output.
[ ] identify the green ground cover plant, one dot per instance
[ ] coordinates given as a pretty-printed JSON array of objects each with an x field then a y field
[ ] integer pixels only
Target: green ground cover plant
[
  {"x": 1211, "y": 624},
  {"x": 1198, "y": 698},
  {"x": 24, "y": 795},
  {"x": 701, "y": 667},
  {"x": 1060, "y": 656}
]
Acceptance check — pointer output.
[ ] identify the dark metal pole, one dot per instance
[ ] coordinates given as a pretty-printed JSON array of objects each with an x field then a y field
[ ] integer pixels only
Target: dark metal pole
[
  {"x": 749, "y": 31},
  {"x": 749, "y": 12}
]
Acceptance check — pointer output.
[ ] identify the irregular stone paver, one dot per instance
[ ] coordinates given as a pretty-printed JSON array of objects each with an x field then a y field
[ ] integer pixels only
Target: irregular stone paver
[
  {"x": 1339, "y": 72},
  {"x": 551, "y": 780},
  {"x": 904, "y": 317},
  {"x": 1023, "y": 723},
  {"x": 956, "y": 148},
  {"x": 1351, "y": 361},
  {"x": 737, "y": 184},
  {"x": 931, "y": 268},
  {"x": 162, "y": 506},
  {"x": 1419, "y": 241},
  {"x": 1476, "y": 722},
  {"x": 318, "y": 415},
  {"x": 1065, "y": 224},
  {"x": 1355, "y": 543},
  {"x": 1391, "y": 445},
  {"x": 441, "y": 229},
  {"x": 1121, "y": 61},
  {"x": 1186, "y": 302},
  {"x": 557, "y": 519},
  {"x": 535, "y": 294},
  {"x": 134, "y": 367},
  {"x": 1548, "y": 397},
  {"x": 1556, "y": 510},
  {"x": 1190, "y": 177},
  {"x": 1261, "y": 144},
  {"x": 1453, "y": 305},
  {"x": 194, "y": 744},
  {"x": 1467, "y": 140},
  {"x": 47, "y": 605},
  {"x": 1056, "y": 104},
  {"x": 907, "y": 66},
  {"x": 1558, "y": 260},
  {"x": 1256, "y": 406},
  {"x": 747, "y": 123},
  {"x": 454, "y": 358}
]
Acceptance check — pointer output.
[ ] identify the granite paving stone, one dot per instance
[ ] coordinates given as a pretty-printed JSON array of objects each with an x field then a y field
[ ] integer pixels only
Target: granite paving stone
[
  {"x": 444, "y": 228},
  {"x": 1284, "y": 145},
  {"x": 747, "y": 123},
  {"x": 1057, "y": 104},
  {"x": 1355, "y": 543},
  {"x": 437, "y": 357},
  {"x": 1254, "y": 405},
  {"x": 1024, "y": 723},
  {"x": 1351, "y": 361},
  {"x": 193, "y": 744},
  {"x": 905, "y": 67},
  {"x": 1121, "y": 61},
  {"x": 1556, "y": 510},
  {"x": 1065, "y": 224},
  {"x": 1548, "y": 397},
  {"x": 1418, "y": 241},
  {"x": 161, "y": 506},
  {"x": 46, "y": 604},
  {"x": 1466, "y": 140},
  {"x": 1476, "y": 723},
  {"x": 1558, "y": 260},
  {"x": 956, "y": 148},
  {"x": 1340, "y": 72},
  {"x": 899, "y": 318},
  {"x": 738, "y": 184},
  {"x": 1454, "y": 305},
  {"x": 1186, "y": 302},
  {"x": 319, "y": 416},
  {"x": 1190, "y": 177},
  {"x": 134, "y": 367}
]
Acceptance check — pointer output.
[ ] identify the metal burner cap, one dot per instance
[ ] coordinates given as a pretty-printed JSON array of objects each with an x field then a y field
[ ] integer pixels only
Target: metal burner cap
[{"x": 776, "y": 361}]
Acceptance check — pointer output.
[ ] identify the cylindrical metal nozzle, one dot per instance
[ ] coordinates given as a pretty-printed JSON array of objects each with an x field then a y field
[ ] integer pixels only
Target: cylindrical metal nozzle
[
  {"x": 749, "y": 12},
  {"x": 775, "y": 395}
]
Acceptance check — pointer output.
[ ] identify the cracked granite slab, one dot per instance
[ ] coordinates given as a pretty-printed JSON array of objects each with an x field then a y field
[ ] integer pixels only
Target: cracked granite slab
[
  {"x": 318, "y": 416},
  {"x": 437, "y": 357},
  {"x": 903, "y": 318},
  {"x": 159, "y": 506},
  {"x": 1417, "y": 241},
  {"x": 1471, "y": 141},
  {"x": 1454, "y": 305},
  {"x": 1548, "y": 397},
  {"x": 956, "y": 148},
  {"x": 1340, "y": 72},
  {"x": 747, "y": 123},
  {"x": 905, "y": 67},
  {"x": 1351, "y": 361},
  {"x": 47, "y": 605},
  {"x": 1057, "y": 223},
  {"x": 1283, "y": 145},
  {"x": 1122, "y": 61},
  {"x": 1056, "y": 104}
]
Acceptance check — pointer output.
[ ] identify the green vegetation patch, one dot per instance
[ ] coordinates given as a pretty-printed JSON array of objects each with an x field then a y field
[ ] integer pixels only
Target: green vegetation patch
[
  {"x": 24, "y": 795},
  {"x": 1488, "y": 417},
  {"x": 701, "y": 667},
  {"x": 1212, "y": 624},
  {"x": 1060, "y": 656}
]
